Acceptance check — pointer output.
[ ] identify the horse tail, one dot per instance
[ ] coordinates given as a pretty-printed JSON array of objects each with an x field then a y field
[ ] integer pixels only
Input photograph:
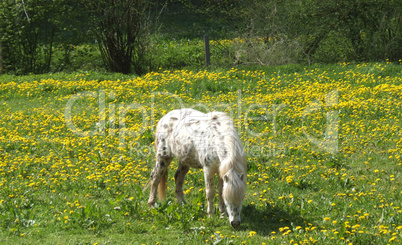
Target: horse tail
[
  {"x": 163, "y": 182},
  {"x": 162, "y": 185}
]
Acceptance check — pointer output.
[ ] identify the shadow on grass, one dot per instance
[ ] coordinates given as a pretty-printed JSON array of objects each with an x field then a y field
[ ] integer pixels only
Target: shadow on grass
[{"x": 266, "y": 220}]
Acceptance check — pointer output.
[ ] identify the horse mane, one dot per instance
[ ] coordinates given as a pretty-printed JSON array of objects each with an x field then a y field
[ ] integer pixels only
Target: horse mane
[
  {"x": 230, "y": 151},
  {"x": 234, "y": 187}
]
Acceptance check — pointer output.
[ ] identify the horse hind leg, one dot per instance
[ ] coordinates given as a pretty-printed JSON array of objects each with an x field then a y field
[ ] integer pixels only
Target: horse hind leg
[
  {"x": 159, "y": 174},
  {"x": 179, "y": 180},
  {"x": 158, "y": 180}
]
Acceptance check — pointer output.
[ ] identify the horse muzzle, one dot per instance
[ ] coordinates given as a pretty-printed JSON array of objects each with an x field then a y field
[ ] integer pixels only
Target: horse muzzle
[{"x": 235, "y": 224}]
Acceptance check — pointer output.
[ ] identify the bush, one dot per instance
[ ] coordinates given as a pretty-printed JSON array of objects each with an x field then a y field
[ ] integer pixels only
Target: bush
[{"x": 277, "y": 51}]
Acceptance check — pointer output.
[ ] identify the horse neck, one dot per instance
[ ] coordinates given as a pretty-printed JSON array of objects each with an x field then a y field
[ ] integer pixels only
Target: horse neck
[{"x": 235, "y": 160}]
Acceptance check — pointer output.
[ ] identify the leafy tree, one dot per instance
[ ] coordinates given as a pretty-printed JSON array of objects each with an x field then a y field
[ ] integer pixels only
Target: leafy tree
[
  {"x": 120, "y": 27},
  {"x": 28, "y": 30}
]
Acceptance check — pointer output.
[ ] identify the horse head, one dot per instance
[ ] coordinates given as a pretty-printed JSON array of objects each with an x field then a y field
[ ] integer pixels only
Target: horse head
[{"x": 233, "y": 192}]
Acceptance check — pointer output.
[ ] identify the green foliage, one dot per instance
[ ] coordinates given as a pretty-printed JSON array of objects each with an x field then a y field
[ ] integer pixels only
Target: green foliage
[
  {"x": 367, "y": 28},
  {"x": 319, "y": 31},
  {"x": 29, "y": 30},
  {"x": 71, "y": 58},
  {"x": 174, "y": 54},
  {"x": 137, "y": 36}
]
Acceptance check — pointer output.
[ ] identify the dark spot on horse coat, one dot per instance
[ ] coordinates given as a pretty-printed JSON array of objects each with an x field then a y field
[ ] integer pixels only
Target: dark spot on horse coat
[{"x": 215, "y": 129}]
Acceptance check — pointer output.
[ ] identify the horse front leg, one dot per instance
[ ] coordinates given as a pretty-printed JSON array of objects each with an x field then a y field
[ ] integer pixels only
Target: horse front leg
[
  {"x": 222, "y": 208},
  {"x": 209, "y": 189},
  {"x": 179, "y": 180}
]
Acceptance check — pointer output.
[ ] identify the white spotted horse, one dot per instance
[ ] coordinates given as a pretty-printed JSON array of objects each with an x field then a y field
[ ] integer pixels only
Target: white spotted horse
[{"x": 208, "y": 141}]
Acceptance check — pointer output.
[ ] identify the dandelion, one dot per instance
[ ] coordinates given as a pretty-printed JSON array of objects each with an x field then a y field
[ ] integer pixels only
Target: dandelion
[
  {"x": 392, "y": 239},
  {"x": 252, "y": 233}
]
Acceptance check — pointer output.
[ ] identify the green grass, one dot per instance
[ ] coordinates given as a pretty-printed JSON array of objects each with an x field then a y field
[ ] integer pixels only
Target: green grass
[{"x": 57, "y": 187}]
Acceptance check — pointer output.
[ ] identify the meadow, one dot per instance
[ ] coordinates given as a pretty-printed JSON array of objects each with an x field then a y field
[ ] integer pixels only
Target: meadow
[{"x": 323, "y": 145}]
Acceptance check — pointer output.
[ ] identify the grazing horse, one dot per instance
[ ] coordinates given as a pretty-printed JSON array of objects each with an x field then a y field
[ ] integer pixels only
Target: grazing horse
[{"x": 207, "y": 141}]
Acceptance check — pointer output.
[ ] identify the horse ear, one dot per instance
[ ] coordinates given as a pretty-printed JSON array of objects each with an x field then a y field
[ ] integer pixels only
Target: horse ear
[
  {"x": 225, "y": 178},
  {"x": 242, "y": 177}
]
